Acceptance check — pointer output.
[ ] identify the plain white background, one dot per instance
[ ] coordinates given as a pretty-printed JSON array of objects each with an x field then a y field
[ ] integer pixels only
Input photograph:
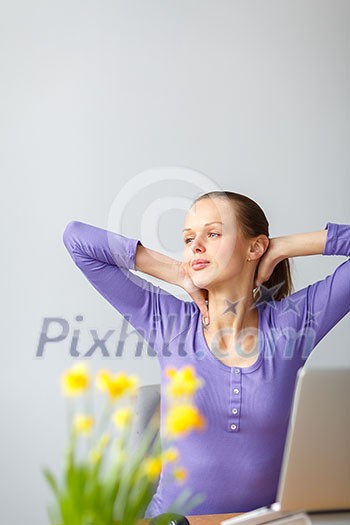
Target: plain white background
[{"x": 247, "y": 96}]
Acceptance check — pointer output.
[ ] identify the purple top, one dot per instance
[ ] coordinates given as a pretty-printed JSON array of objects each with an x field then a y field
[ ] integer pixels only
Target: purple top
[{"x": 236, "y": 462}]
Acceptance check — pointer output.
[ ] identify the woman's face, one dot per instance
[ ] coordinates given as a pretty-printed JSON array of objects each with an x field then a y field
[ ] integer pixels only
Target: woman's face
[{"x": 212, "y": 233}]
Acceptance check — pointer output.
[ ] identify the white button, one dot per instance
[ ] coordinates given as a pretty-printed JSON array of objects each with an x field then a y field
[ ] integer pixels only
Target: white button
[
  {"x": 236, "y": 391},
  {"x": 234, "y": 411},
  {"x": 233, "y": 427},
  {"x": 237, "y": 370}
]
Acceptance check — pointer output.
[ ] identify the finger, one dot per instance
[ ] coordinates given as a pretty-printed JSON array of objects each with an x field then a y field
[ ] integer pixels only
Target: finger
[
  {"x": 258, "y": 282},
  {"x": 205, "y": 314},
  {"x": 202, "y": 305}
]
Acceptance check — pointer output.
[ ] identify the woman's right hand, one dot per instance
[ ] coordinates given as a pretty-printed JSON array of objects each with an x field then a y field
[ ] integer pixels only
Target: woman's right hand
[{"x": 199, "y": 295}]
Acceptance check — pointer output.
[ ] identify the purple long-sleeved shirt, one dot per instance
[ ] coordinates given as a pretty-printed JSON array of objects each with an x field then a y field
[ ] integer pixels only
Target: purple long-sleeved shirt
[{"x": 235, "y": 464}]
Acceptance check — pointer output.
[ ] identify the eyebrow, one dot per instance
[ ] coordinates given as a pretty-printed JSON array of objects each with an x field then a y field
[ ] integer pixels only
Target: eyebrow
[{"x": 207, "y": 224}]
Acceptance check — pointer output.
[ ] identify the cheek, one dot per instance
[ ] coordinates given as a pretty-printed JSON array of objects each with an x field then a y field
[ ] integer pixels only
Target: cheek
[
  {"x": 230, "y": 257},
  {"x": 226, "y": 254}
]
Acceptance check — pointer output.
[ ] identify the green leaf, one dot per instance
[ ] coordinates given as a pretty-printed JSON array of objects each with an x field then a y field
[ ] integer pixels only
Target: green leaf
[{"x": 50, "y": 478}]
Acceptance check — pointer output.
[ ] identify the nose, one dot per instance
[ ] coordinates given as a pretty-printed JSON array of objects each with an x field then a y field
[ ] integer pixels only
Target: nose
[{"x": 198, "y": 246}]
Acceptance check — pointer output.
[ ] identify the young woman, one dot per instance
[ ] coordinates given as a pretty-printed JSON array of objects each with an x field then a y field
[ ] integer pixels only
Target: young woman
[{"x": 245, "y": 333}]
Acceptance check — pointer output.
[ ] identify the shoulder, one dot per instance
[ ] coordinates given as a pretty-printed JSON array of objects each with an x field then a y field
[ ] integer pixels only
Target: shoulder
[
  {"x": 275, "y": 314},
  {"x": 175, "y": 313}
]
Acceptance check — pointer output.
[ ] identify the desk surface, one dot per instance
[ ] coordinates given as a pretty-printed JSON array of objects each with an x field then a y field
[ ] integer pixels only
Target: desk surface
[{"x": 204, "y": 519}]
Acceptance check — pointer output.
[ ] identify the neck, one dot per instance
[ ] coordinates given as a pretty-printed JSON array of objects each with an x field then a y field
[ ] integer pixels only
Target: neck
[{"x": 231, "y": 310}]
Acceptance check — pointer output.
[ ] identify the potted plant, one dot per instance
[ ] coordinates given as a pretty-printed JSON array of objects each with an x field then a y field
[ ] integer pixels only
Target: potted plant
[{"x": 103, "y": 482}]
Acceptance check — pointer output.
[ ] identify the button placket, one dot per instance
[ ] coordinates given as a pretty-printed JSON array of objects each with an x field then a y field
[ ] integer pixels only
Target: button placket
[{"x": 236, "y": 390}]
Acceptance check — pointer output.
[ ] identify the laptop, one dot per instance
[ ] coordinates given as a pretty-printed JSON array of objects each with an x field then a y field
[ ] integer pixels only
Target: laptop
[{"x": 315, "y": 471}]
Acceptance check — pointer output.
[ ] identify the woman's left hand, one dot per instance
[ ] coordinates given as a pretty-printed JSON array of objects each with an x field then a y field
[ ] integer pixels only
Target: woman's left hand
[{"x": 199, "y": 295}]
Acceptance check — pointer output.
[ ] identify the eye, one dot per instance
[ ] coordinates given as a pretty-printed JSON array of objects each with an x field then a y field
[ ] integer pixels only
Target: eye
[{"x": 190, "y": 238}]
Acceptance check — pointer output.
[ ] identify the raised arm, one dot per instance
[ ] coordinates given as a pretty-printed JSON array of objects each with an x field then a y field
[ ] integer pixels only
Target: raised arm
[
  {"x": 314, "y": 310},
  {"x": 286, "y": 246},
  {"x": 106, "y": 258},
  {"x": 172, "y": 271},
  {"x": 157, "y": 264}
]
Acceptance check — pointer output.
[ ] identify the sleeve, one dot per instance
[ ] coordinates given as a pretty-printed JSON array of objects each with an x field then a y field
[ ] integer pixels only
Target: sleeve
[
  {"x": 307, "y": 315},
  {"x": 106, "y": 258}
]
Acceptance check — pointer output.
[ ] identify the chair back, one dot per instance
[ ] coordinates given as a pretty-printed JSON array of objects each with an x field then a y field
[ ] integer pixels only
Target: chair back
[{"x": 147, "y": 404}]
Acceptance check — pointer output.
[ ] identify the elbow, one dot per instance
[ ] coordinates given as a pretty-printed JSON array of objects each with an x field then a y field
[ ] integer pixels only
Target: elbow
[{"x": 69, "y": 234}]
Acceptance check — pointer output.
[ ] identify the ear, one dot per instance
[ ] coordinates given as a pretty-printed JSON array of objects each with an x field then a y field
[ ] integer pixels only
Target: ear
[{"x": 258, "y": 247}]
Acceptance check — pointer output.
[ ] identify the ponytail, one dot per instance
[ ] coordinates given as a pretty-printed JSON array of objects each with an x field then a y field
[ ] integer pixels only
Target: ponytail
[{"x": 280, "y": 275}]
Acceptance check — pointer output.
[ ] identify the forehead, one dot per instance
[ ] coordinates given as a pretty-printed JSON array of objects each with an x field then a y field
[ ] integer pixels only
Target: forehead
[{"x": 208, "y": 210}]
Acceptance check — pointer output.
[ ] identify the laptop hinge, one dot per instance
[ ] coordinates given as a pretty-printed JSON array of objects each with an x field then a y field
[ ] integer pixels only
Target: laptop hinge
[{"x": 275, "y": 506}]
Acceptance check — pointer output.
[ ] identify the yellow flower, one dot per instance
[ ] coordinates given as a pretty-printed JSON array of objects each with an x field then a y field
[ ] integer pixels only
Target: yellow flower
[
  {"x": 83, "y": 424},
  {"x": 76, "y": 380},
  {"x": 180, "y": 474},
  {"x": 183, "y": 381},
  {"x": 152, "y": 467},
  {"x": 122, "y": 417},
  {"x": 116, "y": 385},
  {"x": 102, "y": 379},
  {"x": 184, "y": 418},
  {"x": 170, "y": 455}
]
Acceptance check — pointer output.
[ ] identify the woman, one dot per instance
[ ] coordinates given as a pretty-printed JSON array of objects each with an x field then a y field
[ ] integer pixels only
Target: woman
[{"x": 249, "y": 350}]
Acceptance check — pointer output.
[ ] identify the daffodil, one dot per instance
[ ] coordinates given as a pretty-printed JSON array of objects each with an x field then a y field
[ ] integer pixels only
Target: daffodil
[
  {"x": 116, "y": 385},
  {"x": 170, "y": 455},
  {"x": 116, "y": 471},
  {"x": 183, "y": 418},
  {"x": 180, "y": 474},
  {"x": 76, "y": 380},
  {"x": 83, "y": 424},
  {"x": 122, "y": 417},
  {"x": 102, "y": 379},
  {"x": 183, "y": 381},
  {"x": 152, "y": 467}
]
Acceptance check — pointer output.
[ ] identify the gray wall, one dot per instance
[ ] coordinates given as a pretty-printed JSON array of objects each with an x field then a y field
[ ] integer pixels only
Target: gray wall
[{"x": 248, "y": 96}]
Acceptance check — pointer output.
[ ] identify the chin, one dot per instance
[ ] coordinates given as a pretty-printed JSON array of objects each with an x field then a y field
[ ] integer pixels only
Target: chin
[{"x": 201, "y": 281}]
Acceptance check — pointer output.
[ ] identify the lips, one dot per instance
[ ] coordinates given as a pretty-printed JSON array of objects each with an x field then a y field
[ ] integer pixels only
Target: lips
[{"x": 198, "y": 264}]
